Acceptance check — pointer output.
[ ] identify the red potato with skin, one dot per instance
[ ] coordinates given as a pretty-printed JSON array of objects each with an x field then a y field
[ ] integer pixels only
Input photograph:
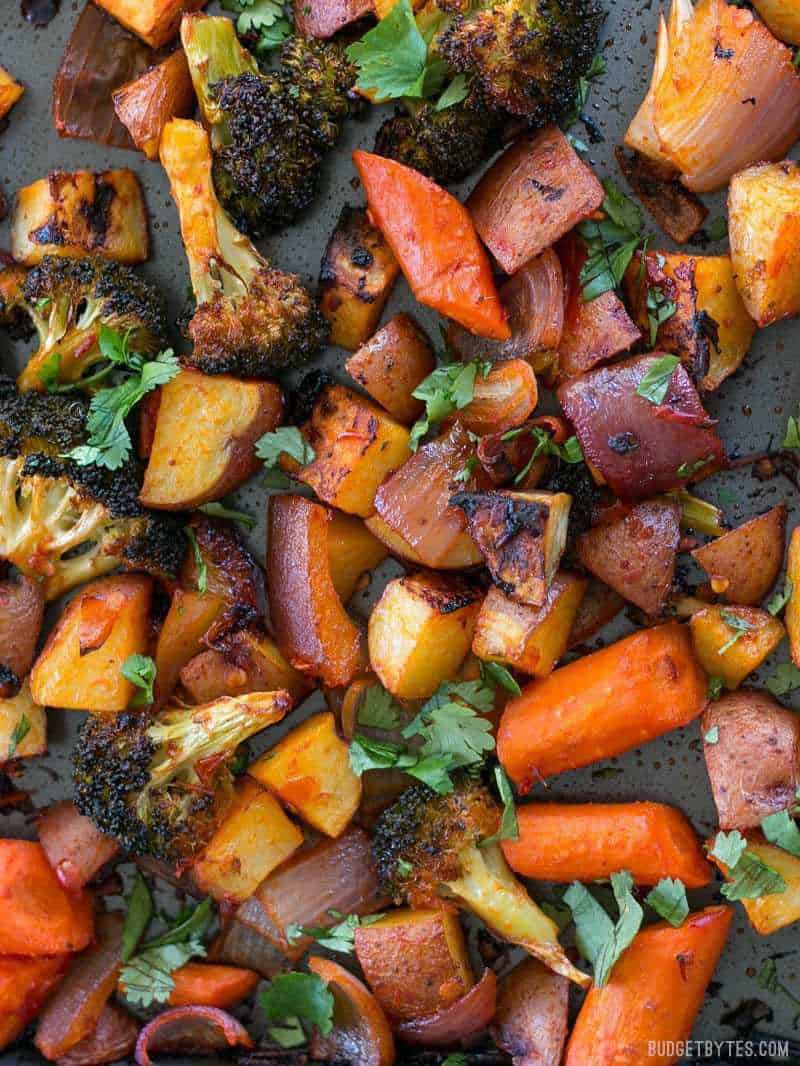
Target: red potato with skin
[
  {"x": 754, "y": 765},
  {"x": 434, "y": 241},
  {"x": 21, "y": 614},
  {"x": 744, "y": 563},
  {"x": 530, "y": 1022},
  {"x": 537, "y": 191},
  {"x": 75, "y": 849},
  {"x": 324, "y": 18},
  {"x": 392, "y": 363}
]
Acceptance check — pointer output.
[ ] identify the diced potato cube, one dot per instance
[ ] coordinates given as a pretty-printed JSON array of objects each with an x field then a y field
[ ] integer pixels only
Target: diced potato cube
[
  {"x": 248, "y": 661},
  {"x": 10, "y": 92},
  {"x": 357, "y": 274},
  {"x": 356, "y": 445},
  {"x": 744, "y": 563},
  {"x": 415, "y": 961},
  {"x": 81, "y": 214},
  {"x": 309, "y": 770},
  {"x": 392, "y": 364},
  {"x": 352, "y": 551},
  {"x": 253, "y": 838},
  {"x": 80, "y": 666},
  {"x": 792, "y": 614},
  {"x": 531, "y": 639},
  {"x": 144, "y": 106},
  {"x": 155, "y": 21},
  {"x": 764, "y": 232},
  {"x": 730, "y": 325},
  {"x": 420, "y": 631},
  {"x": 768, "y": 914},
  {"x": 17, "y": 741},
  {"x": 755, "y": 635},
  {"x": 782, "y": 17}
]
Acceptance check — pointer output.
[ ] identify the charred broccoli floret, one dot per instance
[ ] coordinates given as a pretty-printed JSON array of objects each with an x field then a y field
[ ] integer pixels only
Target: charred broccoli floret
[
  {"x": 427, "y": 846},
  {"x": 525, "y": 55},
  {"x": 14, "y": 317},
  {"x": 69, "y": 301},
  {"x": 270, "y": 131},
  {"x": 444, "y": 145},
  {"x": 66, "y": 523},
  {"x": 251, "y": 319},
  {"x": 159, "y": 783}
]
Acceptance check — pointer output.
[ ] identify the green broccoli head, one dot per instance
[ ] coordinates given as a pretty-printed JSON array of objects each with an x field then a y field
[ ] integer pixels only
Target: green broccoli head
[
  {"x": 69, "y": 300},
  {"x": 525, "y": 55},
  {"x": 428, "y": 846},
  {"x": 160, "y": 783},
  {"x": 446, "y": 145},
  {"x": 65, "y": 523}
]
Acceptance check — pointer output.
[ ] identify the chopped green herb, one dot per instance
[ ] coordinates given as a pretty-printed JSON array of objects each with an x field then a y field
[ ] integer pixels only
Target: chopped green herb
[
  {"x": 596, "y": 69},
  {"x": 712, "y": 736},
  {"x": 785, "y": 679},
  {"x": 655, "y": 384},
  {"x": 379, "y": 709},
  {"x": 717, "y": 229},
  {"x": 611, "y": 243},
  {"x": 659, "y": 310},
  {"x": 338, "y": 937},
  {"x": 749, "y": 877},
  {"x": 264, "y": 18},
  {"x": 294, "y": 998},
  {"x": 137, "y": 916},
  {"x": 216, "y": 509},
  {"x": 509, "y": 826},
  {"x": 715, "y": 686},
  {"x": 140, "y": 670},
  {"x": 600, "y": 940},
  {"x": 199, "y": 561},
  {"x": 286, "y": 440},
  {"x": 147, "y": 975},
  {"x": 668, "y": 900},
  {"x": 496, "y": 674},
  {"x": 392, "y": 59},
  {"x": 404, "y": 867},
  {"x": 728, "y": 847},
  {"x": 769, "y": 979},
  {"x": 457, "y": 1058},
  {"x": 568, "y": 452},
  {"x": 455, "y": 92},
  {"x": 18, "y": 734},
  {"x": 688, "y": 470},
  {"x": 779, "y": 599},
  {"x": 781, "y": 829},
  {"x": 737, "y": 623},
  {"x": 792, "y": 437},
  {"x": 448, "y": 389}
]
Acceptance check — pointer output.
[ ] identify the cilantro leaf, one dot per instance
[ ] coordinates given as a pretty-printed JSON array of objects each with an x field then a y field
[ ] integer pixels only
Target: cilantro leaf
[
  {"x": 339, "y": 937},
  {"x": 286, "y": 440},
  {"x": 140, "y": 670},
  {"x": 785, "y": 679},
  {"x": 717, "y": 229},
  {"x": 379, "y": 709},
  {"x": 668, "y": 900},
  {"x": 217, "y": 509},
  {"x": 769, "y": 979},
  {"x": 659, "y": 310},
  {"x": 455, "y": 92},
  {"x": 303, "y": 997},
  {"x": 778, "y": 600},
  {"x": 599, "y": 939},
  {"x": 593, "y": 927},
  {"x": 448, "y": 389},
  {"x": 18, "y": 734},
  {"x": 781, "y": 829},
  {"x": 509, "y": 826},
  {"x": 655, "y": 384},
  {"x": 392, "y": 58},
  {"x": 147, "y": 975},
  {"x": 712, "y": 736},
  {"x": 496, "y": 674},
  {"x": 450, "y": 724},
  {"x": 199, "y": 561},
  {"x": 792, "y": 436},
  {"x": 568, "y": 452},
  {"x": 728, "y": 847},
  {"x": 433, "y": 770},
  {"x": 751, "y": 878},
  {"x": 715, "y": 686},
  {"x": 456, "y": 1058},
  {"x": 738, "y": 624},
  {"x": 137, "y": 916},
  {"x": 611, "y": 243}
]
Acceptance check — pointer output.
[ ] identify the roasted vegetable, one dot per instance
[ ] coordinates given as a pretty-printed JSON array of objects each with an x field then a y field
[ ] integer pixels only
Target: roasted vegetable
[
  {"x": 530, "y": 1022},
  {"x": 23, "y": 726},
  {"x": 155, "y": 21},
  {"x": 524, "y": 55},
  {"x": 732, "y": 642},
  {"x": 782, "y": 17},
  {"x": 270, "y": 131},
  {"x": 792, "y": 615},
  {"x": 391, "y": 364},
  {"x": 10, "y": 92},
  {"x": 251, "y": 319},
  {"x": 70, "y": 301},
  {"x": 358, "y": 1023},
  {"x": 772, "y": 911},
  {"x": 160, "y": 783},
  {"x": 744, "y": 563},
  {"x": 352, "y": 552},
  {"x": 21, "y": 614},
  {"x": 677, "y": 211},
  {"x": 323, "y": 19},
  {"x": 505, "y": 398},
  {"x": 145, "y": 105},
  {"x": 81, "y": 214},
  {"x": 427, "y": 845},
  {"x": 66, "y": 523}
]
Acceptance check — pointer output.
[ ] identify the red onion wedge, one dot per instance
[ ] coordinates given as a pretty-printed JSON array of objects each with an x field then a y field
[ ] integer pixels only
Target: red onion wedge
[
  {"x": 190, "y": 1030},
  {"x": 462, "y": 1019}
]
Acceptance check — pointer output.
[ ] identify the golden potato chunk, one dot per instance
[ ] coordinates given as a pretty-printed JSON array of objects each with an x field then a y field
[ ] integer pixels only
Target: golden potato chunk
[
  {"x": 792, "y": 615},
  {"x": 392, "y": 364},
  {"x": 764, "y": 233},
  {"x": 770, "y": 913},
  {"x": 81, "y": 214},
  {"x": 253, "y": 838},
  {"x": 420, "y": 631},
  {"x": 155, "y": 21},
  {"x": 144, "y": 106},
  {"x": 729, "y": 326},
  {"x": 744, "y": 563},
  {"x": 23, "y": 726},
  {"x": 732, "y": 642},
  {"x": 10, "y": 92},
  {"x": 531, "y": 639},
  {"x": 227, "y": 416},
  {"x": 352, "y": 551},
  {"x": 309, "y": 771},
  {"x": 782, "y": 17},
  {"x": 246, "y": 661},
  {"x": 80, "y": 666}
]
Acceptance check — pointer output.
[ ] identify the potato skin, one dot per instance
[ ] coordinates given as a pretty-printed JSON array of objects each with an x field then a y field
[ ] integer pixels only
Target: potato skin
[
  {"x": 530, "y": 1022},
  {"x": 392, "y": 364},
  {"x": 744, "y": 563},
  {"x": 753, "y": 768},
  {"x": 145, "y": 105},
  {"x": 21, "y": 613}
]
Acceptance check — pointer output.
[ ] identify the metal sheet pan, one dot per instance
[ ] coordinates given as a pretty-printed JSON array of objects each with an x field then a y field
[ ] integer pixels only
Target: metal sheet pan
[{"x": 752, "y": 409}]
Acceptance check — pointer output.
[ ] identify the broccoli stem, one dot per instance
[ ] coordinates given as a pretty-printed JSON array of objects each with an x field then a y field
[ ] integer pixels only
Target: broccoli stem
[{"x": 214, "y": 53}]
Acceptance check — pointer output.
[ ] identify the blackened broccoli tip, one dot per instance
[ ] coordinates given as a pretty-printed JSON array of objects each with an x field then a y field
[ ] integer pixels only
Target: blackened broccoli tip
[
  {"x": 14, "y": 317},
  {"x": 69, "y": 300},
  {"x": 160, "y": 782},
  {"x": 446, "y": 146},
  {"x": 525, "y": 55}
]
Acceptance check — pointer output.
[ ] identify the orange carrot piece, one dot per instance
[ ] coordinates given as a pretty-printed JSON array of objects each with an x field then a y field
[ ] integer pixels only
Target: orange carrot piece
[
  {"x": 590, "y": 841},
  {"x": 652, "y": 996},
  {"x": 601, "y": 705},
  {"x": 24, "y": 986},
  {"x": 434, "y": 241},
  {"x": 206, "y": 984},
  {"x": 37, "y": 916}
]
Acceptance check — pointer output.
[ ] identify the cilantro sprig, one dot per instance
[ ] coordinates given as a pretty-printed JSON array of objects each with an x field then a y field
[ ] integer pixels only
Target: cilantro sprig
[
  {"x": 219, "y": 509},
  {"x": 140, "y": 670},
  {"x": 337, "y": 937},
  {"x": 568, "y": 452},
  {"x": 655, "y": 384},
  {"x": 601, "y": 940},
  {"x": 286, "y": 440},
  {"x": 739, "y": 625},
  {"x": 21, "y": 729},
  {"x": 264, "y": 19},
  {"x": 748, "y": 876},
  {"x": 448, "y": 389},
  {"x": 509, "y": 825},
  {"x": 296, "y": 1001},
  {"x": 611, "y": 242},
  {"x": 659, "y": 310},
  {"x": 668, "y": 900},
  {"x": 393, "y": 60}
]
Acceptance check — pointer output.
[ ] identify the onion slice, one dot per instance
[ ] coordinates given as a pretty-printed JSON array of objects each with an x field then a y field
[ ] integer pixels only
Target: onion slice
[
  {"x": 190, "y": 1030},
  {"x": 113, "y": 1038},
  {"x": 462, "y": 1019},
  {"x": 361, "y": 1034}
]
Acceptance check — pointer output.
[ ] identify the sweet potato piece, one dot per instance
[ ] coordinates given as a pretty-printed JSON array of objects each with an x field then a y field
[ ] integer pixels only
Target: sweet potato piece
[
  {"x": 502, "y": 400},
  {"x": 753, "y": 765},
  {"x": 593, "y": 332},
  {"x": 638, "y": 448},
  {"x": 730, "y": 327},
  {"x": 246, "y": 660},
  {"x": 252, "y": 839},
  {"x": 635, "y": 555},
  {"x": 536, "y": 191},
  {"x": 420, "y": 631},
  {"x": 25, "y": 984},
  {"x": 531, "y": 639},
  {"x": 323, "y": 18},
  {"x": 357, "y": 275},
  {"x": 311, "y": 627},
  {"x": 712, "y": 631},
  {"x": 530, "y": 1022},
  {"x": 155, "y": 21},
  {"x": 80, "y": 666},
  {"x": 792, "y": 614},
  {"x": 21, "y": 613},
  {"x": 414, "y": 503},
  {"x": 10, "y": 92},
  {"x": 763, "y": 210},
  {"x": 228, "y": 416},
  {"x": 391, "y": 365},
  {"x": 81, "y": 214},
  {"x": 75, "y": 848},
  {"x": 352, "y": 551},
  {"x": 770, "y": 913},
  {"x": 677, "y": 211},
  {"x": 599, "y": 605},
  {"x": 309, "y": 771},
  {"x": 144, "y": 106},
  {"x": 15, "y": 711},
  {"x": 415, "y": 961},
  {"x": 744, "y": 563},
  {"x": 356, "y": 445},
  {"x": 522, "y": 536},
  {"x": 190, "y": 616},
  {"x": 782, "y": 17}
]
